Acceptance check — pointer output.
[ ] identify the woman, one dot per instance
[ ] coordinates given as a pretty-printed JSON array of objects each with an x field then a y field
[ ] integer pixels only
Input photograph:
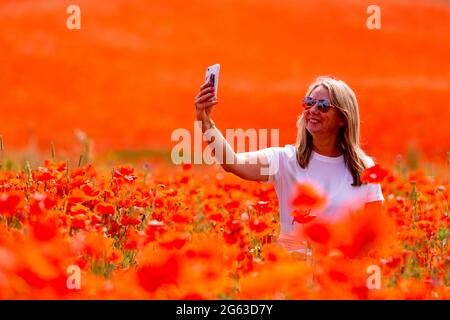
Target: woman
[{"x": 326, "y": 154}]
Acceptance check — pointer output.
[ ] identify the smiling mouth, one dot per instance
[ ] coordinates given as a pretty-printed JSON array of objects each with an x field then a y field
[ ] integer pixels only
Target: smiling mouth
[{"x": 314, "y": 121}]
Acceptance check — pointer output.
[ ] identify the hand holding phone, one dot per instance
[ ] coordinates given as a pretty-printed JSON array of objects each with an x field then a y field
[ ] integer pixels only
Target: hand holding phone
[
  {"x": 207, "y": 97},
  {"x": 212, "y": 76}
]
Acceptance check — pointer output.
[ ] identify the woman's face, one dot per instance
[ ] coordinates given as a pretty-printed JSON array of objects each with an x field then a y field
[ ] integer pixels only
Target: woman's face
[{"x": 322, "y": 123}]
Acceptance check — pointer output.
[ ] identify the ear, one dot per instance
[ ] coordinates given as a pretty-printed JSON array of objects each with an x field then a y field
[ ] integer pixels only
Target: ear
[{"x": 342, "y": 121}]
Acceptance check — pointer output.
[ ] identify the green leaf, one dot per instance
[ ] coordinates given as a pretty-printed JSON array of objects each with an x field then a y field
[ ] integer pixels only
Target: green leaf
[{"x": 443, "y": 233}]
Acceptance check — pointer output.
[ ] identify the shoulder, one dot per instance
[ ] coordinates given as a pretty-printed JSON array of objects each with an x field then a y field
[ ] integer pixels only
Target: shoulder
[
  {"x": 286, "y": 152},
  {"x": 373, "y": 190},
  {"x": 289, "y": 150},
  {"x": 280, "y": 156}
]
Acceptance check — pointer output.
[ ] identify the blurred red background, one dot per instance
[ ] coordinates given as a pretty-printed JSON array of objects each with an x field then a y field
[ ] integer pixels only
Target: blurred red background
[{"x": 128, "y": 78}]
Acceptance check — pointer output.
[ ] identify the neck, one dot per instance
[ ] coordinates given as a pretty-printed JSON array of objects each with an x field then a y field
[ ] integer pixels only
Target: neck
[{"x": 326, "y": 146}]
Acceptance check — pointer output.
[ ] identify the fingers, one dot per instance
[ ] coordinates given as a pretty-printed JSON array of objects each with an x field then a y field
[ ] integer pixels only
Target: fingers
[
  {"x": 211, "y": 103},
  {"x": 206, "y": 97},
  {"x": 205, "y": 85},
  {"x": 202, "y": 93},
  {"x": 205, "y": 91},
  {"x": 207, "y": 104}
]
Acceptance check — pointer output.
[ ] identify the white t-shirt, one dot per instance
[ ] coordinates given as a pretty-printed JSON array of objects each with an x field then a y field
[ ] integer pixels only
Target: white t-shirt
[{"x": 329, "y": 175}]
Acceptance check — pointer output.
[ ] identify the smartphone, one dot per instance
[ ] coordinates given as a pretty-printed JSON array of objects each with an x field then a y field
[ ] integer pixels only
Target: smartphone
[{"x": 212, "y": 76}]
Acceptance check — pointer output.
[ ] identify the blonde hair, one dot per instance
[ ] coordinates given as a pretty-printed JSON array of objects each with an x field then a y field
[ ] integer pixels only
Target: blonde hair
[{"x": 344, "y": 99}]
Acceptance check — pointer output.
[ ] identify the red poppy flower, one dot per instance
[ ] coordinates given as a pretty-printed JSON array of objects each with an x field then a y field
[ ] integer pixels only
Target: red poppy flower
[
  {"x": 79, "y": 221},
  {"x": 363, "y": 238},
  {"x": 217, "y": 217},
  {"x": 373, "y": 174},
  {"x": 114, "y": 228},
  {"x": 159, "y": 203},
  {"x": 232, "y": 205},
  {"x": 58, "y": 166},
  {"x": 33, "y": 279},
  {"x": 40, "y": 203},
  {"x": 44, "y": 174},
  {"x": 307, "y": 197},
  {"x": 173, "y": 241},
  {"x": 154, "y": 228},
  {"x": 318, "y": 233},
  {"x": 126, "y": 203},
  {"x": 302, "y": 216},
  {"x": 132, "y": 241},
  {"x": 127, "y": 220},
  {"x": 193, "y": 296},
  {"x": 258, "y": 225},
  {"x": 105, "y": 208},
  {"x": 125, "y": 174},
  {"x": 184, "y": 180},
  {"x": 95, "y": 219},
  {"x": 89, "y": 191},
  {"x": 232, "y": 231},
  {"x": 44, "y": 229},
  {"x": 181, "y": 218},
  {"x": 115, "y": 256},
  {"x": 154, "y": 275},
  {"x": 338, "y": 276},
  {"x": 81, "y": 262},
  {"x": 263, "y": 206},
  {"x": 170, "y": 193},
  {"x": 9, "y": 203},
  {"x": 187, "y": 166}
]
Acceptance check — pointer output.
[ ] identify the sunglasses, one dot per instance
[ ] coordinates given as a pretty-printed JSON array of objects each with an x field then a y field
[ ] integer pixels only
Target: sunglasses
[{"x": 323, "y": 105}]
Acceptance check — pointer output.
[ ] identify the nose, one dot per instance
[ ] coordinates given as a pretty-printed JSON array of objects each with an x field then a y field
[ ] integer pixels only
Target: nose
[{"x": 314, "y": 109}]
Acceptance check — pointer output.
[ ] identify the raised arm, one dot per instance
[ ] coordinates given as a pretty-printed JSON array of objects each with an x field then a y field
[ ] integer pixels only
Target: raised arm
[{"x": 246, "y": 165}]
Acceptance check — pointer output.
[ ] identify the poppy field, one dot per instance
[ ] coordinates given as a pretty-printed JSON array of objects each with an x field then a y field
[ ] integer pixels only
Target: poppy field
[
  {"x": 136, "y": 233},
  {"x": 92, "y": 207}
]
